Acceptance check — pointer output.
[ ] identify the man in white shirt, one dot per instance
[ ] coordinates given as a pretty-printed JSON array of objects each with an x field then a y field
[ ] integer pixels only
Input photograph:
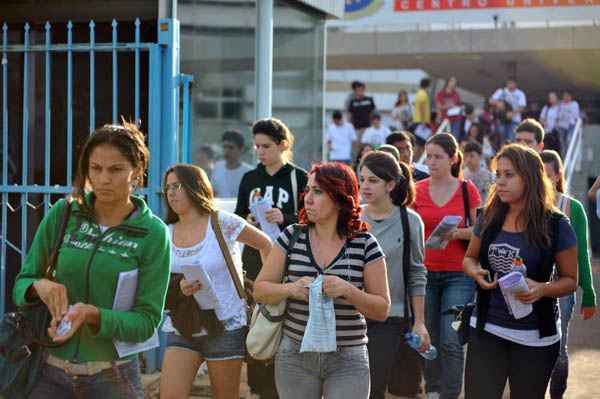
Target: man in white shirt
[
  {"x": 376, "y": 134},
  {"x": 228, "y": 172},
  {"x": 516, "y": 98},
  {"x": 341, "y": 139},
  {"x": 568, "y": 113}
]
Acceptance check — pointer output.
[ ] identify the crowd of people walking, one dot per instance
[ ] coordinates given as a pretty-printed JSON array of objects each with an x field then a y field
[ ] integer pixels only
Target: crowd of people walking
[{"x": 372, "y": 254}]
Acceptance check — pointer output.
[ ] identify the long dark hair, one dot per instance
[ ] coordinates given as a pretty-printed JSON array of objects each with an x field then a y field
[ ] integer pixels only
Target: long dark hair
[
  {"x": 401, "y": 93},
  {"x": 538, "y": 197},
  {"x": 552, "y": 158},
  {"x": 450, "y": 147},
  {"x": 278, "y": 132},
  {"x": 384, "y": 166},
  {"x": 340, "y": 184},
  {"x": 197, "y": 188},
  {"x": 126, "y": 138}
]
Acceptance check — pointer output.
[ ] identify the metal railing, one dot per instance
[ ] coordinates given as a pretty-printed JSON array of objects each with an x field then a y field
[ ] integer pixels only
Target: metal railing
[{"x": 573, "y": 157}]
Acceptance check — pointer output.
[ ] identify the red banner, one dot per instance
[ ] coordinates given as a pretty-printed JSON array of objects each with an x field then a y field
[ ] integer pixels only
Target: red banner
[{"x": 432, "y": 5}]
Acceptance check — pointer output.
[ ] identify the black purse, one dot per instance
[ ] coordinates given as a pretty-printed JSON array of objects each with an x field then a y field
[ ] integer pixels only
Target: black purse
[{"x": 23, "y": 336}]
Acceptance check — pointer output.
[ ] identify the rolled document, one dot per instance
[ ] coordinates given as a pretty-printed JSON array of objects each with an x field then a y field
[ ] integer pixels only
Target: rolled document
[
  {"x": 511, "y": 284},
  {"x": 446, "y": 225}
]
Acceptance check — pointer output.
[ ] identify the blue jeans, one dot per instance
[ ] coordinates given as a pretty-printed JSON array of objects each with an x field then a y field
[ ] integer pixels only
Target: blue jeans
[
  {"x": 311, "y": 375},
  {"x": 509, "y": 131},
  {"x": 121, "y": 382},
  {"x": 445, "y": 290},
  {"x": 456, "y": 129},
  {"x": 558, "y": 383}
]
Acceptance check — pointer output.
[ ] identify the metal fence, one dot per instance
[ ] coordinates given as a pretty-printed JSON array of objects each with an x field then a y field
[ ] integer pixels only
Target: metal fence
[{"x": 23, "y": 194}]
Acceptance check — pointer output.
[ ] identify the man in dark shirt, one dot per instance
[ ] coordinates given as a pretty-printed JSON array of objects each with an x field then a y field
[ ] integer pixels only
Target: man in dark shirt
[
  {"x": 403, "y": 141},
  {"x": 360, "y": 108}
]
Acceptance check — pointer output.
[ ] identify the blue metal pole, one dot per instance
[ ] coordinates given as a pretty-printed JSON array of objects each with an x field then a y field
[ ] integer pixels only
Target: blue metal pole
[
  {"x": 154, "y": 127},
  {"x": 154, "y": 143},
  {"x": 4, "y": 239},
  {"x": 115, "y": 75},
  {"x": 48, "y": 119},
  {"x": 25, "y": 165},
  {"x": 69, "y": 103},
  {"x": 137, "y": 72},
  {"x": 92, "y": 78},
  {"x": 168, "y": 38}
]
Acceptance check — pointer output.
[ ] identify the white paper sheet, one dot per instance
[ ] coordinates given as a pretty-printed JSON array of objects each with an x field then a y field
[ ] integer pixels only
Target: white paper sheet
[
  {"x": 320, "y": 334},
  {"x": 124, "y": 300},
  {"x": 448, "y": 223},
  {"x": 259, "y": 209},
  {"x": 206, "y": 296}
]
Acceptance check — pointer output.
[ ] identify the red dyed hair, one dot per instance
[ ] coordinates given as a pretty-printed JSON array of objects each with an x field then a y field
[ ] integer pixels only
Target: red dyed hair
[{"x": 340, "y": 183}]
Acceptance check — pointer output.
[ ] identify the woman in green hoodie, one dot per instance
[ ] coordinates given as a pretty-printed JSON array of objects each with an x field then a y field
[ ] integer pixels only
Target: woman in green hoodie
[
  {"x": 573, "y": 210},
  {"x": 109, "y": 232}
]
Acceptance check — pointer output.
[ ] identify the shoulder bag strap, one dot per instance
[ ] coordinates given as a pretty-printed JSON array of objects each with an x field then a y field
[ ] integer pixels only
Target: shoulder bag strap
[
  {"x": 298, "y": 228},
  {"x": 295, "y": 190},
  {"x": 465, "y": 194},
  {"x": 406, "y": 261},
  {"x": 239, "y": 286},
  {"x": 51, "y": 266}
]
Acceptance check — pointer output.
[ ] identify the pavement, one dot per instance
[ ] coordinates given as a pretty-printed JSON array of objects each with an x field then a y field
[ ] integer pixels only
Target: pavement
[{"x": 584, "y": 354}]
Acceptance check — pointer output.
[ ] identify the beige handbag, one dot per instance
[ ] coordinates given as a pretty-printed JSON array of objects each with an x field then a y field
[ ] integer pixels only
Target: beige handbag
[{"x": 266, "y": 325}]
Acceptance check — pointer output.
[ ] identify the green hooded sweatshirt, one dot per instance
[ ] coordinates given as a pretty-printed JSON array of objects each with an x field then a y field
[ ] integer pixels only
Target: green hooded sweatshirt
[{"x": 88, "y": 265}]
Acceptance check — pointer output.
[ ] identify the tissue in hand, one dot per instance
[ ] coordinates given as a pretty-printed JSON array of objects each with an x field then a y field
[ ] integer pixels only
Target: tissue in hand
[{"x": 511, "y": 284}]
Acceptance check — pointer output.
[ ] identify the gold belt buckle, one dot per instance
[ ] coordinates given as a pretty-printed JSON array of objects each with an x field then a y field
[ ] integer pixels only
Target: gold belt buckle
[{"x": 68, "y": 367}]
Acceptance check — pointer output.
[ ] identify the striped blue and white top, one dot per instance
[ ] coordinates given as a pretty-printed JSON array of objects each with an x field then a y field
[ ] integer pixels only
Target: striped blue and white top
[{"x": 350, "y": 263}]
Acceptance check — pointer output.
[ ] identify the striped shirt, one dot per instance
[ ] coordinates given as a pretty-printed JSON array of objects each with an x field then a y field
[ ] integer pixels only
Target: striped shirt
[{"x": 349, "y": 264}]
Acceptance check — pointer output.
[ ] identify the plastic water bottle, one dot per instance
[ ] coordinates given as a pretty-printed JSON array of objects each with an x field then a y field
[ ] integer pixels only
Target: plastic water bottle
[
  {"x": 519, "y": 266},
  {"x": 414, "y": 341}
]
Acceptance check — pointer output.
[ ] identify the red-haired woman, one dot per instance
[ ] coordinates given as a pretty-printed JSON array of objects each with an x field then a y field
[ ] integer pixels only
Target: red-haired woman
[{"x": 332, "y": 242}]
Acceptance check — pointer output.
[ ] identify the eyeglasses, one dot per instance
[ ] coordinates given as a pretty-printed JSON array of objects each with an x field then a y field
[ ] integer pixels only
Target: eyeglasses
[{"x": 173, "y": 187}]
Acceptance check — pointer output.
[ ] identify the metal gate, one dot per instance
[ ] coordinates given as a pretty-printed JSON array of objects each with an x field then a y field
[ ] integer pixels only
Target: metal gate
[{"x": 26, "y": 192}]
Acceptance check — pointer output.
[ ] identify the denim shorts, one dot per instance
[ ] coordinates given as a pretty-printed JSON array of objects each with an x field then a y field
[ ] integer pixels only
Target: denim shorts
[{"x": 227, "y": 345}]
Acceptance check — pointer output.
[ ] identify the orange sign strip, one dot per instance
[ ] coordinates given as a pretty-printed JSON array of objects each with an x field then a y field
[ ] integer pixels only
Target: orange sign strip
[{"x": 433, "y": 5}]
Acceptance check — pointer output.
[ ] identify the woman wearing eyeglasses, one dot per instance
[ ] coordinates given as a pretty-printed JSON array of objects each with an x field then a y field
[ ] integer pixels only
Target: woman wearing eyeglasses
[
  {"x": 218, "y": 333},
  {"x": 280, "y": 182}
]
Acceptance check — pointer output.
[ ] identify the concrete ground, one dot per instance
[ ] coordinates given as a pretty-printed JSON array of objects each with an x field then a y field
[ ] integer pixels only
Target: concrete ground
[{"x": 584, "y": 350}]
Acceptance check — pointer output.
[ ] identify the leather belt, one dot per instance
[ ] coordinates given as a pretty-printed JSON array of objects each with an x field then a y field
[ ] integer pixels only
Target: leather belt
[{"x": 85, "y": 368}]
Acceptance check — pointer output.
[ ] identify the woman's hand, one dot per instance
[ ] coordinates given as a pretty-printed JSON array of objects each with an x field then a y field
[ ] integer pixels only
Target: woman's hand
[
  {"x": 252, "y": 220},
  {"x": 587, "y": 312},
  {"x": 77, "y": 315},
  {"x": 298, "y": 289},
  {"x": 335, "y": 287},
  {"x": 274, "y": 215},
  {"x": 421, "y": 331},
  {"x": 189, "y": 287},
  {"x": 451, "y": 235},
  {"x": 54, "y": 295},
  {"x": 480, "y": 276},
  {"x": 535, "y": 293}
]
